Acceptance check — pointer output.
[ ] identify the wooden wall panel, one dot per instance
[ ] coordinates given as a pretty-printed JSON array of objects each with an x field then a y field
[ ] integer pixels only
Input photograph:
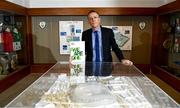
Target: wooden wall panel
[
  {"x": 154, "y": 43},
  {"x": 145, "y": 68},
  {"x": 168, "y": 8},
  {"x": 40, "y": 68},
  {"x": 11, "y": 7},
  {"x": 29, "y": 39},
  {"x": 84, "y": 11},
  {"x": 8, "y": 6},
  {"x": 46, "y": 41}
]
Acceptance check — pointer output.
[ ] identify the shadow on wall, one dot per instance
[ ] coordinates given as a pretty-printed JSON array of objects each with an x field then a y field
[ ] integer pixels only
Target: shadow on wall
[
  {"x": 42, "y": 54},
  {"x": 142, "y": 51}
]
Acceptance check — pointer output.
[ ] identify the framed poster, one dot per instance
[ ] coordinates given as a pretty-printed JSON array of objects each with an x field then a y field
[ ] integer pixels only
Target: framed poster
[
  {"x": 69, "y": 31},
  {"x": 123, "y": 36}
]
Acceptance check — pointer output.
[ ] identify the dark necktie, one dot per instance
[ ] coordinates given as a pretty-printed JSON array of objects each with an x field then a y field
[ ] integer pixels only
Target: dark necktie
[{"x": 97, "y": 59}]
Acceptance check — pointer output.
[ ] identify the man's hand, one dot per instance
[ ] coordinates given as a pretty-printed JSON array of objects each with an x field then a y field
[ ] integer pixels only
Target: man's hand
[
  {"x": 126, "y": 62},
  {"x": 70, "y": 63}
]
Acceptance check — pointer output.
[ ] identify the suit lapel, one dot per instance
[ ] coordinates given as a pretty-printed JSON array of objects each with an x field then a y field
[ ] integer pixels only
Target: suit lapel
[
  {"x": 103, "y": 37},
  {"x": 90, "y": 39}
]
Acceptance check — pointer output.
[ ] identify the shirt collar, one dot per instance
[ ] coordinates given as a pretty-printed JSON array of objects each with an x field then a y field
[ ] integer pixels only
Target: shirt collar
[{"x": 97, "y": 29}]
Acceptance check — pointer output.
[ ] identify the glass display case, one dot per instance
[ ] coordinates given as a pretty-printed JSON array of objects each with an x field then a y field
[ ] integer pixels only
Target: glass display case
[
  {"x": 165, "y": 44},
  {"x": 13, "y": 44},
  {"x": 93, "y": 85},
  {"x": 168, "y": 51}
]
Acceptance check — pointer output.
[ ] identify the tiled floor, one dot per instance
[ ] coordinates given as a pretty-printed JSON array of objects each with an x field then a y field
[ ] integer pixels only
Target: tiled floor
[{"x": 17, "y": 88}]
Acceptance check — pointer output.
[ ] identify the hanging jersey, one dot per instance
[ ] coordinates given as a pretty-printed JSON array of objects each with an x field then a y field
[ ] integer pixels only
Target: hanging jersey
[
  {"x": 8, "y": 41},
  {"x": 17, "y": 41}
]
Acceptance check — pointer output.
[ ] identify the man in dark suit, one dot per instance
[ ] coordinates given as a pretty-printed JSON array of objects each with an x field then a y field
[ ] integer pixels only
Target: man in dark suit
[{"x": 105, "y": 41}]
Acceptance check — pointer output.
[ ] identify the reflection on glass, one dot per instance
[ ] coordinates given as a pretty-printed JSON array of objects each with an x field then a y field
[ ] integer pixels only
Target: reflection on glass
[
  {"x": 82, "y": 86},
  {"x": 98, "y": 69},
  {"x": 77, "y": 69},
  {"x": 77, "y": 73}
]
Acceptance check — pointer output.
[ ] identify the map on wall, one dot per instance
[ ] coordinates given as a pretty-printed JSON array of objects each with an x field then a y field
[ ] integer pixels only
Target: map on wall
[
  {"x": 123, "y": 36},
  {"x": 69, "y": 31}
]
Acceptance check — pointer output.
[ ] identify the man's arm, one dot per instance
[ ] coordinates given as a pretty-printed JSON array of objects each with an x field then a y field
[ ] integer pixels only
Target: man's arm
[{"x": 115, "y": 47}]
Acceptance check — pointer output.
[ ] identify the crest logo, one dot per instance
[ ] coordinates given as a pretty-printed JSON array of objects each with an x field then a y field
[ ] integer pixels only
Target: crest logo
[
  {"x": 42, "y": 24},
  {"x": 142, "y": 25}
]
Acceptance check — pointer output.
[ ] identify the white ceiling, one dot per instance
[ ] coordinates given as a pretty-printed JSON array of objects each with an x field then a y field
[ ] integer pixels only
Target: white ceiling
[{"x": 89, "y": 3}]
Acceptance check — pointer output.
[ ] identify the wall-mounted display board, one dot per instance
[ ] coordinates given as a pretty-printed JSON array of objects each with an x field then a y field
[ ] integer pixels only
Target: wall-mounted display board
[
  {"x": 123, "y": 36},
  {"x": 69, "y": 31}
]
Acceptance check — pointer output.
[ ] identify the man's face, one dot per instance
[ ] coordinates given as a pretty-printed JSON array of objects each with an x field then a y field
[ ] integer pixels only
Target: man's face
[{"x": 94, "y": 20}]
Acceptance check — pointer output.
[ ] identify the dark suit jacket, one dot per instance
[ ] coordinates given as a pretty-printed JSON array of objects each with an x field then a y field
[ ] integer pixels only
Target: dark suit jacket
[{"x": 108, "y": 43}]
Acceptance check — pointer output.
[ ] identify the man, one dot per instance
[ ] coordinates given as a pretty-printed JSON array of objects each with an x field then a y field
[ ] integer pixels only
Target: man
[{"x": 99, "y": 49}]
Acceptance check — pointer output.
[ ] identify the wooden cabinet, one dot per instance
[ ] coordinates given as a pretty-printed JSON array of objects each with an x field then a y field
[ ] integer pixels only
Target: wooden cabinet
[
  {"x": 14, "y": 61},
  {"x": 166, "y": 44}
]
